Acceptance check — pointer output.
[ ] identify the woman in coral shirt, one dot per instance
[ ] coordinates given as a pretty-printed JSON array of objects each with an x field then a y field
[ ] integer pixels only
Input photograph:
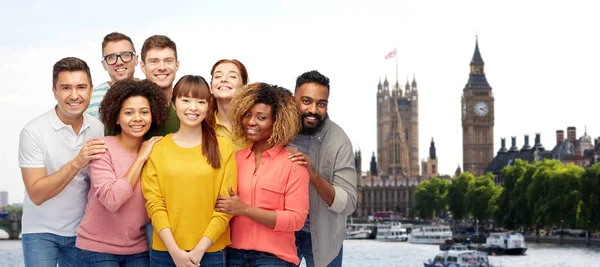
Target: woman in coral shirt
[{"x": 272, "y": 199}]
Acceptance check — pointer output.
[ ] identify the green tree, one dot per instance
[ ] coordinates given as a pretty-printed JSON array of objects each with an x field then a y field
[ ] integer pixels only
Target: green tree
[
  {"x": 430, "y": 197},
  {"x": 457, "y": 192},
  {"x": 14, "y": 211},
  {"x": 479, "y": 195},
  {"x": 555, "y": 192},
  {"x": 505, "y": 212},
  {"x": 589, "y": 212}
]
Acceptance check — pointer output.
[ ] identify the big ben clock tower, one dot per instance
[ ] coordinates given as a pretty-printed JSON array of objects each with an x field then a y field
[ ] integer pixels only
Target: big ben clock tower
[{"x": 477, "y": 118}]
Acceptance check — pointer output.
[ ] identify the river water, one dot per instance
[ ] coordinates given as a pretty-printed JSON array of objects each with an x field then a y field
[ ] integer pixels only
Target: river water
[{"x": 374, "y": 253}]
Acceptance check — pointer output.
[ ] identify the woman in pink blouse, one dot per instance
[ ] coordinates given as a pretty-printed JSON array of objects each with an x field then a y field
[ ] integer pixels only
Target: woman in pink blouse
[
  {"x": 112, "y": 232},
  {"x": 272, "y": 199}
]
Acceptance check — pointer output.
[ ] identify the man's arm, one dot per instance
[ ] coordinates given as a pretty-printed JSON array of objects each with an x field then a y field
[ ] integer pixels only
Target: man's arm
[
  {"x": 340, "y": 195},
  {"x": 41, "y": 187}
]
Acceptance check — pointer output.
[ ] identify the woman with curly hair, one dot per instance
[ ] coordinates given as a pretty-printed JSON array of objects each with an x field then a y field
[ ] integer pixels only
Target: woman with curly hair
[
  {"x": 185, "y": 174},
  {"x": 227, "y": 77},
  {"x": 272, "y": 198},
  {"x": 112, "y": 232}
]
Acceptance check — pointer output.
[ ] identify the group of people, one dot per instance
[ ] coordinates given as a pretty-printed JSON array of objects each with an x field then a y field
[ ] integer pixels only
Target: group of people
[{"x": 146, "y": 173}]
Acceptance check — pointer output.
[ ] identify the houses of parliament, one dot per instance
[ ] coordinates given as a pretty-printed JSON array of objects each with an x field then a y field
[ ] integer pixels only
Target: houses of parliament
[{"x": 393, "y": 174}]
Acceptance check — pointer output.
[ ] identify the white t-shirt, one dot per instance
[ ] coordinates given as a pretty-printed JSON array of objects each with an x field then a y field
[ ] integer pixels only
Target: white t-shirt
[{"x": 46, "y": 142}]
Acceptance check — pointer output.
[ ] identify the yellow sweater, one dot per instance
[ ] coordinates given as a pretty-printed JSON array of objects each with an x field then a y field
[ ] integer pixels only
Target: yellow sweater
[
  {"x": 181, "y": 190},
  {"x": 222, "y": 131}
]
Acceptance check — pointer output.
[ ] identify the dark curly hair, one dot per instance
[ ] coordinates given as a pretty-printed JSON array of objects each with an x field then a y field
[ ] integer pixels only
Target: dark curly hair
[
  {"x": 286, "y": 117},
  {"x": 110, "y": 107}
]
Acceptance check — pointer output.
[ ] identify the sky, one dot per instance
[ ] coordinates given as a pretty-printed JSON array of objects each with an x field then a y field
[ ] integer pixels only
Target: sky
[{"x": 541, "y": 59}]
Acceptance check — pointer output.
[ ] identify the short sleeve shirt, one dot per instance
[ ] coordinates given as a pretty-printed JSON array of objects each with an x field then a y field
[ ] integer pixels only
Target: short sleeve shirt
[{"x": 46, "y": 142}]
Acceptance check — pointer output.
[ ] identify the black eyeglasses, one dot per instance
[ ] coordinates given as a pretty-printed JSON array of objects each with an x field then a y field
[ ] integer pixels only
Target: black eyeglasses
[{"x": 113, "y": 58}]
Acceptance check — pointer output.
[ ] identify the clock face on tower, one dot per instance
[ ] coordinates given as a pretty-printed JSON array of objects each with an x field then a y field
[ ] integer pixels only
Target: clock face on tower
[{"x": 481, "y": 109}]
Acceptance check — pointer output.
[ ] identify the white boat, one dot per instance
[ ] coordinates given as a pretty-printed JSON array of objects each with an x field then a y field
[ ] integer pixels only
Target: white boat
[
  {"x": 3, "y": 234},
  {"x": 430, "y": 234},
  {"x": 512, "y": 243},
  {"x": 391, "y": 232},
  {"x": 360, "y": 233},
  {"x": 459, "y": 257}
]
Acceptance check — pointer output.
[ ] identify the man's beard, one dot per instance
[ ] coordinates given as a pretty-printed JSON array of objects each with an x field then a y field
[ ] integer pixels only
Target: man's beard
[{"x": 308, "y": 130}]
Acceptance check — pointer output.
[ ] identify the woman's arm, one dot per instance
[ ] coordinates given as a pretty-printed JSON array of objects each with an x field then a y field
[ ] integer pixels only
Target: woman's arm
[{"x": 290, "y": 219}]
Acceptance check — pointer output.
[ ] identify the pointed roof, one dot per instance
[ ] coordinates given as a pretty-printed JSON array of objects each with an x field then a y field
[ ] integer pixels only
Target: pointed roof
[
  {"x": 414, "y": 82},
  {"x": 477, "y": 60},
  {"x": 477, "y": 80},
  {"x": 407, "y": 86},
  {"x": 432, "y": 154},
  {"x": 379, "y": 85},
  {"x": 385, "y": 82}
]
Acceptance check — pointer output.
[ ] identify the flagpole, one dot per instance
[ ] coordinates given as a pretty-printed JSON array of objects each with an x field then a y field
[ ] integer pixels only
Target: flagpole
[{"x": 397, "y": 82}]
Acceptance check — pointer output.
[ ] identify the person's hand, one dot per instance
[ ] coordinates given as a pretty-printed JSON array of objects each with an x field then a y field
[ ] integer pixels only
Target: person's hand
[
  {"x": 181, "y": 258},
  {"x": 146, "y": 148},
  {"x": 195, "y": 256},
  {"x": 231, "y": 204},
  {"x": 92, "y": 149},
  {"x": 300, "y": 158}
]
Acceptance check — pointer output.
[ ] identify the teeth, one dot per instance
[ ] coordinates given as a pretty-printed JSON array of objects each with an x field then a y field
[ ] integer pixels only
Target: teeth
[
  {"x": 137, "y": 127},
  {"x": 120, "y": 70},
  {"x": 252, "y": 131},
  {"x": 74, "y": 104}
]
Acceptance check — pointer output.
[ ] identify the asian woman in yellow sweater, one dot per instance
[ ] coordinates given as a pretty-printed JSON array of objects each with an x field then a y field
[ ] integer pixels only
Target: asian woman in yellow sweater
[{"x": 182, "y": 179}]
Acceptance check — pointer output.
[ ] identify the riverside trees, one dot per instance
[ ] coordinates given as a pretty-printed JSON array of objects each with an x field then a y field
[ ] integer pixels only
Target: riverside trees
[{"x": 540, "y": 194}]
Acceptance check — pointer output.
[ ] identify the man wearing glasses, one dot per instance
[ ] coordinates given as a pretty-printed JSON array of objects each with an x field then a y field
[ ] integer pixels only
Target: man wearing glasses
[{"x": 119, "y": 60}]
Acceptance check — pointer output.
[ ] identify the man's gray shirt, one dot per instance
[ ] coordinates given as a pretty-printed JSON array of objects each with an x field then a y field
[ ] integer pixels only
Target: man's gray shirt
[{"x": 331, "y": 155}]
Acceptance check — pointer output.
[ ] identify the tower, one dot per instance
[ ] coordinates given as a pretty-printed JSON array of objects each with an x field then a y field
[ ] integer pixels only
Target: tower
[
  {"x": 477, "y": 118},
  {"x": 397, "y": 130}
]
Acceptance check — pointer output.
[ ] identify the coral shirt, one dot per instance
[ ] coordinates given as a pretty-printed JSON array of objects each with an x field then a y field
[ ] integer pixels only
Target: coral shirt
[{"x": 280, "y": 185}]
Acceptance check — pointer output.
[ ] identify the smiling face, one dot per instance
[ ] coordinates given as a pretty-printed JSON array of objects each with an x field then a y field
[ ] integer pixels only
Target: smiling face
[
  {"x": 120, "y": 70},
  {"x": 226, "y": 79},
  {"x": 191, "y": 111},
  {"x": 312, "y": 99},
  {"x": 72, "y": 92},
  {"x": 160, "y": 66},
  {"x": 135, "y": 117},
  {"x": 258, "y": 123}
]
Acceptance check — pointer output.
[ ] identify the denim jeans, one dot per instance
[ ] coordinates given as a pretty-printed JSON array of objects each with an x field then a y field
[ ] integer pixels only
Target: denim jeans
[
  {"x": 46, "y": 250},
  {"x": 210, "y": 259},
  {"x": 304, "y": 246},
  {"x": 98, "y": 259},
  {"x": 149, "y": 231},
  {"x": 254, "y": 258}
]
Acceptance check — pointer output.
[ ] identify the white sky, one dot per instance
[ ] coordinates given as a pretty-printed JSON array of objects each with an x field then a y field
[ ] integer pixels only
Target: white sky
[{"x": 541, "y": 58}]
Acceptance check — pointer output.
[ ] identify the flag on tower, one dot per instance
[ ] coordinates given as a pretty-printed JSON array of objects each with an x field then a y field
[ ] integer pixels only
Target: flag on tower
[{"x": 391, "y": 54}]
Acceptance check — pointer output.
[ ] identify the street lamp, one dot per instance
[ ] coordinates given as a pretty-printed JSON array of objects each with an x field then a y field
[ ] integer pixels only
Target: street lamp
[
  {"x": 561, "y": 231},
  {"x": 537, "y": 231},
  {"x": 589, "y": 233}
]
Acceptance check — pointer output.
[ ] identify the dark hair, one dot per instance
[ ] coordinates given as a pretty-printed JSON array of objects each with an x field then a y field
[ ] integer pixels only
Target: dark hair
[
  {"x": 312, "y": 76},
  {"x": 111, "y": 104},
  {"x": 195, "y": 86},
  {"x": 70, "y": 64},
  {"x": 237, "y": 63},
  {"x": 115, "y": 37},
  {"x": 160, "y": 42},
  {"x": 286, "y": 117}
]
